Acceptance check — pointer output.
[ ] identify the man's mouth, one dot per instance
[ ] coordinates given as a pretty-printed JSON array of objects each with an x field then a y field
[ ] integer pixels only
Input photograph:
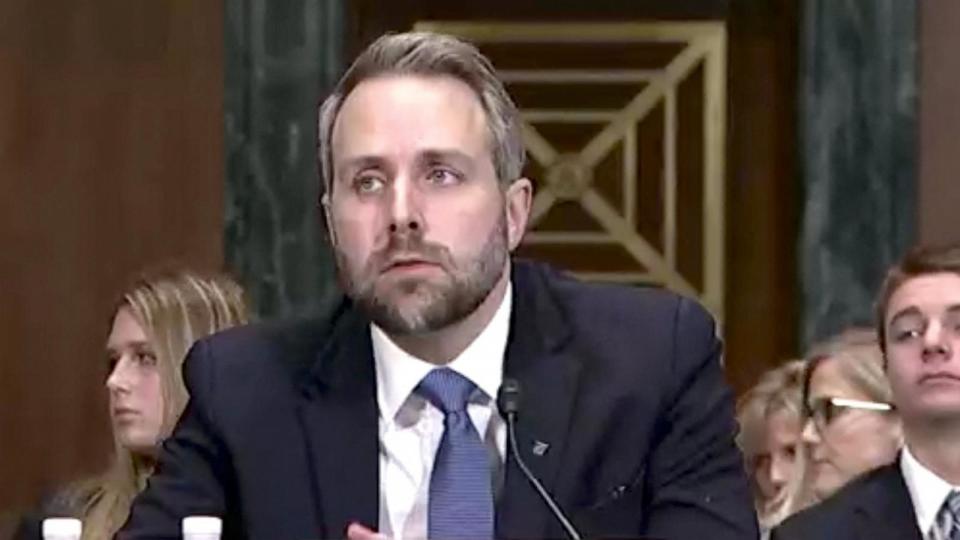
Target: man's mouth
[
  {"x": 939, "y": 377},
  {"x": 403, "y": 264}
]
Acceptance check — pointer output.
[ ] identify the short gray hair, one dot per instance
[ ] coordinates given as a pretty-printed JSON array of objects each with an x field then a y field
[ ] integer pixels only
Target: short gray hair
[{"x": 430, "y": 54}]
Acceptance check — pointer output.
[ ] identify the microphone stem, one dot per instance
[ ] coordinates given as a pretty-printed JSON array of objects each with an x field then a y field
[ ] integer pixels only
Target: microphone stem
[{"x": 567, "y": 526}]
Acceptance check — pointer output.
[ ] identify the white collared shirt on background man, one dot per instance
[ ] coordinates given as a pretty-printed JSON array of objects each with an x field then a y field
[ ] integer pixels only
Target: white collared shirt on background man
[{"x": 927, "y": 492}]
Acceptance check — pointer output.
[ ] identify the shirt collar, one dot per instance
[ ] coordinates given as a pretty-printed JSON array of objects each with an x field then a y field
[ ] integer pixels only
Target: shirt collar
[
  {"x": 398, "y": 372},
  {"x": 927, "y": 490}
]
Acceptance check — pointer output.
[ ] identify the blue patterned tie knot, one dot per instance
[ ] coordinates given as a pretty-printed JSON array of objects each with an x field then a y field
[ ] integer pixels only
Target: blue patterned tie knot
[
  {"x": 948, "y": 519},
  {"x": 953, "y": 501},
  {"x": 460, "y": 504},
  {"x": 447, "y": 390}
]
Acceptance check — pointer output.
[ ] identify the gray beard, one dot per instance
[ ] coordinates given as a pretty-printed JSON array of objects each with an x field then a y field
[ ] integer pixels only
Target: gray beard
[{"x": 443, "y": 304}]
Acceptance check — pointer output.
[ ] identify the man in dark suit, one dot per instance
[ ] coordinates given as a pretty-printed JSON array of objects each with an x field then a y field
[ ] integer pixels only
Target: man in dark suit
[
  {"x": 382, "y": 421},
  {"x": 917, "y": 497}
]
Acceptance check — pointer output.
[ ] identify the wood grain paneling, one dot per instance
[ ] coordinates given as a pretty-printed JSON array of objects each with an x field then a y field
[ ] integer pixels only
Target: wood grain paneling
[
  {"x": 939, "y": 182},
  {"x": 110, "y": 159},
  {"x": 762, "y": 196}
]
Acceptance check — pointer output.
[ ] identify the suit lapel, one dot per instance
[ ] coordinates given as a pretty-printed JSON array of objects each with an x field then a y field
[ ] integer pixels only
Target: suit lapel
[
  {"x": 885, "y": 510},
  {"x": 338, "y": 411},
  {"x": 536, "y": 356}
]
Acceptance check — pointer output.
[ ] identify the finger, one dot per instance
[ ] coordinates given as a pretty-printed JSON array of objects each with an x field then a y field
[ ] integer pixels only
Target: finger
[{"x": 356, "y": 531}]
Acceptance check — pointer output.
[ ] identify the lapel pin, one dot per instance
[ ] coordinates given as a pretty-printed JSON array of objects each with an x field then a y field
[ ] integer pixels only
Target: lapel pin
[{"x": 540, "y": 448}]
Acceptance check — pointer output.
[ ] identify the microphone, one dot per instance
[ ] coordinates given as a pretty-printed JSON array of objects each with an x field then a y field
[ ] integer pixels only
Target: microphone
[{"x": 508, "y": 402}]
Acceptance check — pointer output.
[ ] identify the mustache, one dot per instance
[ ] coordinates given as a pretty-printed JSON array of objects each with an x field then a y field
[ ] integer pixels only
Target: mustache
[{"x": 408, "y": 247}]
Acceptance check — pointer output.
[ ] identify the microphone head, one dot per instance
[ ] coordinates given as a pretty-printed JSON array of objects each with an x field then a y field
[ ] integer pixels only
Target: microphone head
[{"x": 508, "y": 397}]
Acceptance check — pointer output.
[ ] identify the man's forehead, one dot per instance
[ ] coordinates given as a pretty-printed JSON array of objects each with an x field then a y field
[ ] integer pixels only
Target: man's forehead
[
  {"x": 431, "y": 103},
  {"x": 940, "y": 289},
  {"x": 421, "y": 156},
  {"x": 400, "y": 81},
  {"x": 941, "y": 286}
]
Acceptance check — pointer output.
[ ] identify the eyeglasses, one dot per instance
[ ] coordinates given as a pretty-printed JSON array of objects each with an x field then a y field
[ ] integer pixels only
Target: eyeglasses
[{"x": 825, "y": 410}]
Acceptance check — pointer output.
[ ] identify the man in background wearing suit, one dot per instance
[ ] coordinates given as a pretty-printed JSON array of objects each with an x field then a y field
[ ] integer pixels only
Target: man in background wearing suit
[
  {"x": 384, "y": 418},
  {"x": 917, "y": 497}
]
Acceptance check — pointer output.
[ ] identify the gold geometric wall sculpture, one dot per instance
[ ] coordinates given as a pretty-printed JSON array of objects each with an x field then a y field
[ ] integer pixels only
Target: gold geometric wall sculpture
[{"x": 625, "y": 127}]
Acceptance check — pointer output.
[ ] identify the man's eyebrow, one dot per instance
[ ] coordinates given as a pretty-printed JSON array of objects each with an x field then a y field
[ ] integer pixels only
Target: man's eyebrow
[
  {"x": 911, "y": 311},
  {"x": 362, "y": 162},
  {"x": 441, "y": 154}
]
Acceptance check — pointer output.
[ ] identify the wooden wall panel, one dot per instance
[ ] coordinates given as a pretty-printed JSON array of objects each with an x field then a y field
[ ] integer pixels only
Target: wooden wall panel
[
  {"x": 763, "y": 200},
  {"x": 763, "y": 194},
  {"x": 110, "y": 159},
  {"x": 938, "y": 189}
]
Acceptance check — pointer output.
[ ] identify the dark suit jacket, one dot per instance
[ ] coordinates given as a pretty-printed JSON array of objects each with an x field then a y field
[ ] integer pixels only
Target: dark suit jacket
[
  {"x": 625, "y": 385},
  {"x": 876, "y": 506}
]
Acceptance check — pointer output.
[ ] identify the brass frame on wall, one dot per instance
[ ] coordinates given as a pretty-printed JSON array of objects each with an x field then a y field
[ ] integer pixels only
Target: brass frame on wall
[{"x": 569, "y": 175}]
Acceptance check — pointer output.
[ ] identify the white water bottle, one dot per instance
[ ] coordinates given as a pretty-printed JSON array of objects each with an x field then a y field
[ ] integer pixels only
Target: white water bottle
[
  {"x": 201, "y": 528},
  {"x": 62, "y": 529}
]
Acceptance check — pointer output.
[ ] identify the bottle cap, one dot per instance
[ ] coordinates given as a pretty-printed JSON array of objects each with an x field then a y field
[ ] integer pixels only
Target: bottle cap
[
  {"x": 201, "y": 525},
  {"x": 60, "y": 527}
]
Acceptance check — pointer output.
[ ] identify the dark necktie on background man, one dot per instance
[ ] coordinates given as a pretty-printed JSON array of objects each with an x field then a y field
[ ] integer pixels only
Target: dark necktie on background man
[
  {"x": 461, "y": 498},
  {"x": 947, "y": 524}
]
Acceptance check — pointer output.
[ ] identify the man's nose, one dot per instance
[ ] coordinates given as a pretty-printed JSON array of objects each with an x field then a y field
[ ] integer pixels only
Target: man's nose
[
  {"x": 936, "y": 344},
  {"x": 405, "y": 206}
]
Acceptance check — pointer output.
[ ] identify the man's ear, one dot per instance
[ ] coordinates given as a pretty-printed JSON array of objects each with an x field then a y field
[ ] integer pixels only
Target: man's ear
[{"x": 518, "y": 199}]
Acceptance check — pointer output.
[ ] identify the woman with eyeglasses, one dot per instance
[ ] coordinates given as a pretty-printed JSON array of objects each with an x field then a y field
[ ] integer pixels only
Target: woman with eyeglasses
[{"x": 851, "y": 426}]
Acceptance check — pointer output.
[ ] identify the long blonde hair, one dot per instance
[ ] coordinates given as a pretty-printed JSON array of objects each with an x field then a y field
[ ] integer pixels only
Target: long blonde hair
[
  {"x": 778, "y": 390},
  {"x": 175, "y": 309}
]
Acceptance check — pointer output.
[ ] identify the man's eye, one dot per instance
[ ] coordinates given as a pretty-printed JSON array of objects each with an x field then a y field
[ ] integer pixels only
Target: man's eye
[
  {"x": 442, "y": 176},
  {"x": 952, "y": 322},
  {"x": 905, "y": 335},
  {"x": 367, "y": 184}
]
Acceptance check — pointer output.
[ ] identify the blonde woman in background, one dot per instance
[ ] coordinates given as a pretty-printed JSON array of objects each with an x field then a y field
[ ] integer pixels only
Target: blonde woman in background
[
  {"x": 851, "y": 425},
  {"x": 155, "y": 323},
  {"x": 771, "y": 419}
]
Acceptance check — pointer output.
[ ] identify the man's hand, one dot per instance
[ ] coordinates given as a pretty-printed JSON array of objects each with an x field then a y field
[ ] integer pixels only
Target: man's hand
[{"x": 356, "y": 531}]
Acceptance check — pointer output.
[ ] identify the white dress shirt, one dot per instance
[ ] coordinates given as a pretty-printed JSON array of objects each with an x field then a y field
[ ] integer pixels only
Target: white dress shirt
[
  {"x": 927, "y": 491},
  {"x": 411, "y": 427}
]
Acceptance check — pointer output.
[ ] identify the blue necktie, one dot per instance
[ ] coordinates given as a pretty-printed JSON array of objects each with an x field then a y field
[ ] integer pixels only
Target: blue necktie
[
  {"x": 948, "y": 519},
  {"x": 460, "y": 506}
]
